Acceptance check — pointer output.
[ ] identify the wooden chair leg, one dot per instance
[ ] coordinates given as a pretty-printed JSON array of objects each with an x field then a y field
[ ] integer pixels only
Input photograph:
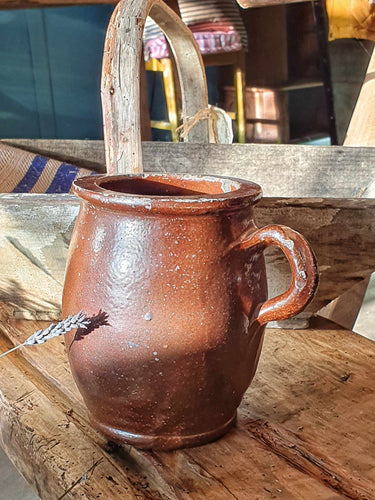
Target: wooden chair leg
[
  {"x": 239, "y": 85},
  {"x": 170, "y": 96},
  {"x": 165, "y": 67}
]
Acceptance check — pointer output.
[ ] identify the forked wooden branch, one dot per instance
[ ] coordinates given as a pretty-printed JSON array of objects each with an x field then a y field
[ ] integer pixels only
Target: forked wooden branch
[{"x": 120, "y": 79}]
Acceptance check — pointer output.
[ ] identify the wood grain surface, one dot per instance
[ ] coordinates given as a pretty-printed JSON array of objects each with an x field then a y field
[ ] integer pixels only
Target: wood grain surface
[
  {"x": 311, "y": 185},
  {"x": 36, "y": 230},
  {"x": 282, "y": 170},
  {"x": 326, "y": 193},
  {"x": 305, "y": 427}
]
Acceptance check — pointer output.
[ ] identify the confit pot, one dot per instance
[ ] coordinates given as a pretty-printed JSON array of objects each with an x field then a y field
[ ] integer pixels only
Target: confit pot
[{"x": 176, "y": 262}]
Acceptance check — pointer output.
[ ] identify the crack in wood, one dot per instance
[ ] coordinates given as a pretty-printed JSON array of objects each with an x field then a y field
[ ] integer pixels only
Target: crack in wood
[
  {"x": 285, "y": 445},
  {"x": 211, "y": 476},
  {"x": 82, "y": 478}
]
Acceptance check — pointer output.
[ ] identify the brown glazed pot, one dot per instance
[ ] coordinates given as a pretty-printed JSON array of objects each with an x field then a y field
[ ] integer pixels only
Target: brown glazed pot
[{"x": 177, "y": 264}]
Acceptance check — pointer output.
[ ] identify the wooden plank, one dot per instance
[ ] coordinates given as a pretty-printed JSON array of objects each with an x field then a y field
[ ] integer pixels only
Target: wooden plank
[
  {"x": 239, "y": 465},
  {"x": 36, "y": 431},
  {"x": 34, "y": 258},
  {"x": 361, "y": 132},
  {"x": 33, "y": 253},
  {"x": 285, "y": 442},
  {"x": 341, "y": 233},
  {"x": 35, "y": 232},
  {"x": 268, "y": 46},
  {"x": 282, "y": 170}
]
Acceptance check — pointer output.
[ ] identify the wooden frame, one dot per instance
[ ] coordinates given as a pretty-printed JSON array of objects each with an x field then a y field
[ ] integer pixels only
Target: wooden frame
[
  {"x": 325, "y": 193},
  {"x": 336, "y": 217}
]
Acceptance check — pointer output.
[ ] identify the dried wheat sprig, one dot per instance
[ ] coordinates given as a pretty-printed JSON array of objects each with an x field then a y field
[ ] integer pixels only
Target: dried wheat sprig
[{"x": 80, "y": 320}]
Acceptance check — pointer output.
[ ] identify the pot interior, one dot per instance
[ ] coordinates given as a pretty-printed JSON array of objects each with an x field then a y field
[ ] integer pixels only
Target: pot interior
[{"x": 159, "y": 185}]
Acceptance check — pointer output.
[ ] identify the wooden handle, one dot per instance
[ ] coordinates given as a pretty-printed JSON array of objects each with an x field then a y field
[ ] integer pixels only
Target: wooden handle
[
  {"x": 304, "y": 271},
  {"x": 120, "y": 79}
]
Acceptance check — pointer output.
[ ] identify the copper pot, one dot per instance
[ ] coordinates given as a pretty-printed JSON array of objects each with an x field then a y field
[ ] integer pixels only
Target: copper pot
[{"x": 177, "y": 264}]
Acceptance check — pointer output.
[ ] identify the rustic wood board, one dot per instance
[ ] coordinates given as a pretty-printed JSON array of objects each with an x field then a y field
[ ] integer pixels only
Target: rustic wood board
[
  {"x": 282, "y": 170},
  {"x": 305, "y": 428},
  {"x": 34, "y": 240},
  {"x": 35, "y": 232}
]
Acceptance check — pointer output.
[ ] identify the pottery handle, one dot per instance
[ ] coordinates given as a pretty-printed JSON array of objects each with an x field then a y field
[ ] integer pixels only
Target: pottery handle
[
  {"x": 120, "y": 89},
  {"x": 302, "y": 261}
]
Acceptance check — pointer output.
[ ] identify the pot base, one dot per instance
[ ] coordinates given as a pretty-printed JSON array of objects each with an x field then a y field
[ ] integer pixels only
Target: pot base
[{"x": 162, "y": 442}]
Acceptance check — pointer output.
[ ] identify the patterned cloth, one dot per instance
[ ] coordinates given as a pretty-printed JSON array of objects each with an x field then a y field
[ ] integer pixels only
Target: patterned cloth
[
  {"x": 25, "y": 172},
  {"x": 216, "y": 24},
  {"x": 208, "y": 43}
]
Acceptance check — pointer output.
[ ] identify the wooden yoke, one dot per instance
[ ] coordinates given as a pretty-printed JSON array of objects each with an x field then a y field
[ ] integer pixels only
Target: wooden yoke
[{"x": 120, "y": 89}]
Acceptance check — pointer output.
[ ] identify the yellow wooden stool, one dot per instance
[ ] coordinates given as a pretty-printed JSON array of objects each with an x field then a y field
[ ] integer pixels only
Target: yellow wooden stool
[{"x": 234, "y": 59}]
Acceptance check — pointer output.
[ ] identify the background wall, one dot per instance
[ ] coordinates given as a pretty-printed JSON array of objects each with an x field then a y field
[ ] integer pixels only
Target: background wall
[{"x": 50, "y": 63}]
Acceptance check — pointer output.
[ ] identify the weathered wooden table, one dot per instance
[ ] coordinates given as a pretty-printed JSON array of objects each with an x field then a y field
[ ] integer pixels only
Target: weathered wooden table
[{"x": 306, "y": 427}]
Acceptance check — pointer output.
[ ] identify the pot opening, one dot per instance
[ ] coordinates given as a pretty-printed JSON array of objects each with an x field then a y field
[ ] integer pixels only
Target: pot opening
[{"x": 170, "y": 186}]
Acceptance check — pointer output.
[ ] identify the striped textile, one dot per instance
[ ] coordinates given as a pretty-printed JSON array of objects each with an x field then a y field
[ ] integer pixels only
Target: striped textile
[
  {"x": 25, "y": 172},
  {"x": 208, "y": 42},
  {"x": 204, "y": 18}
]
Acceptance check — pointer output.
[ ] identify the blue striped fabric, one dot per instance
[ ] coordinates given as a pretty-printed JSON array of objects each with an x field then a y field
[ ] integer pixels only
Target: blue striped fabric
[
  {"x": 25, "y": 172},
  {"x": 63, "y": 179},
  {"x": 32, "y": 175}
]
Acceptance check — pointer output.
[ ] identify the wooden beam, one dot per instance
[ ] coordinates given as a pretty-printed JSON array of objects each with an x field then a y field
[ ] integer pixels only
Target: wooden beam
[
  {"x": 326, "y": 193},
  {"x": 35, "y": 231},
  {"x": 282, "y": 170}
]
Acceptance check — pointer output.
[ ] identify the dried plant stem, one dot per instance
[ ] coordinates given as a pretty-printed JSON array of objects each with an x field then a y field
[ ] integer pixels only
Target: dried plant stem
[
  {"x": 54, "y": 330},
  {"x": 11, "y": 350}
]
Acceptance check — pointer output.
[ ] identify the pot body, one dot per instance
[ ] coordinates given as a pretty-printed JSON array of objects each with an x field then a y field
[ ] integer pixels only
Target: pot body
[{"x": 182, "y": 342}]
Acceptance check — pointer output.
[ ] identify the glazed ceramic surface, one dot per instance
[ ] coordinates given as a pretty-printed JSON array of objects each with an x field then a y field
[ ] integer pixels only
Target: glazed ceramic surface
[{"x": 177, "y": 264}]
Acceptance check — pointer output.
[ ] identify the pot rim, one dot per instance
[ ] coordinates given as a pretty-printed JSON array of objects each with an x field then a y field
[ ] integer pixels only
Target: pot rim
[{"x": 237, "y": 194}]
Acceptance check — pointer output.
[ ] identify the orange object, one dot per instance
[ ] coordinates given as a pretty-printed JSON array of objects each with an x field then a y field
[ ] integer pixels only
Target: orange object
[{"x": 351, "y": 19}]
